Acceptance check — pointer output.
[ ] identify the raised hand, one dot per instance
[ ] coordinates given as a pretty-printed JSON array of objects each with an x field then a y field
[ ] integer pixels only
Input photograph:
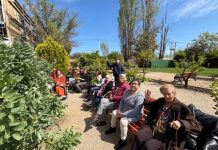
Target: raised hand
[{"x": 147, "y": 94}]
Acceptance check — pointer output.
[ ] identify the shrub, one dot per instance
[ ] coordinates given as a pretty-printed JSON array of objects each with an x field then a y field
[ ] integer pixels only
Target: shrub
[
  {"x": 212, "y": 59},
  {"x": 214, "y": 94},
  {"x": 179, "y": 56},
  {"x": 134, "y": 73},
  {"x": 93, "y": 62},
  {"x": 54, "y": 53},
  {"x": 27, "y": 107},
  {"x": 113, "y": 55},
  {"x": 62, "y": 140},
  {"x": 88, "y": 59}
]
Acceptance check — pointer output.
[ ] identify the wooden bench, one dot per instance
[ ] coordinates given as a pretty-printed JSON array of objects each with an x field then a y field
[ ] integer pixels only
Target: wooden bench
[
  {"x": 136, "y": 126},
  {"x": 184, "y": 76}
]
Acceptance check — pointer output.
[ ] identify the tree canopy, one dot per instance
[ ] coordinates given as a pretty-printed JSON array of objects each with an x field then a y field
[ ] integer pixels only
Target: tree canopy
[
  {"x": 127, "y": 24},
  {"x": 53, "y": 22},
  {"x": 104, "y": 48},
  {"x": 205, "y": 43},
  {"x": 54, "y": 53}
]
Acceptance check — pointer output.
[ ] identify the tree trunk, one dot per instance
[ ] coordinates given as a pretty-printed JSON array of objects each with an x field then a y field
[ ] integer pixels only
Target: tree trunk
[
  {"x": 143, "y": 70},
  {"x": 186, "y": 82}
]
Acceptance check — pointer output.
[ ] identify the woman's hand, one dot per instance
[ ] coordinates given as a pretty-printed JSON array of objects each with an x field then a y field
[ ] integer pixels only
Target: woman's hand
[
  {"x": 147, "y": 94},
  {"x": 175, "y": 124},
  {"x": 119, "y": 114},
  {"x": 110, "y": 98}
]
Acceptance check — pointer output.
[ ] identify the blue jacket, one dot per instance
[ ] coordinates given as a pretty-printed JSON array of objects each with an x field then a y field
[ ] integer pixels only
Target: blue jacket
[
  {"x": 117, "y": 68},
  {"x": 132, "y": 105}
]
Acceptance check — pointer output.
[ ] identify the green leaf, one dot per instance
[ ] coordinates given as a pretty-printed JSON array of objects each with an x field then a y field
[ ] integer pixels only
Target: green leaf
[
  {"x": 17, "y": 136},
  {"x": 16, "y": 110},
  {"x": 17, "y": 78},
  {"x": 9, "y": 105},
  {"x": 14, "y": 124},
  {"x": 11, "y": 117},
  {"x": 4, "y": 89},
  {"x": 2, "y": 115},
  {"x": 39, "y": 136},
  {"x": 7, "y": 135},
  {"x": 20, "y": 127},
  {"x": 2, "y": 128},
  {"x": 1, "y": 140},
  {"x": 10, "y": 93}
]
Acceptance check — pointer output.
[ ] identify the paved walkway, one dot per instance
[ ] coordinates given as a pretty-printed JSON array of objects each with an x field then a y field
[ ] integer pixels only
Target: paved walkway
[{"x": 78, "y": 115}]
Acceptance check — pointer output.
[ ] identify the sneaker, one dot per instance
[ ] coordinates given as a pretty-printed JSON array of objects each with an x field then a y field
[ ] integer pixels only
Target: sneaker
[
  {"x": 120, "y": 144},
  {"x": 110, "y": 130},
  {"x": 89, "y": 103},
  {"x": 101, "y": 123}
]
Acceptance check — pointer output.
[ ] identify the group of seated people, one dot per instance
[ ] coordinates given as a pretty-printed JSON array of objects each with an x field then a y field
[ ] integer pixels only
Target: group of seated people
[
  {"x": 72, "y": 80},
  {"x": 168, "y": 122},
  {"x": 167, "y": 126},
  {"x": 76, "y": 77}
]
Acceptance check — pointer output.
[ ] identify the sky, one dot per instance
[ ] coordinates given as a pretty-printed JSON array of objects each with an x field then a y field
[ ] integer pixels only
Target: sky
[{"x": 98, "y": 21}]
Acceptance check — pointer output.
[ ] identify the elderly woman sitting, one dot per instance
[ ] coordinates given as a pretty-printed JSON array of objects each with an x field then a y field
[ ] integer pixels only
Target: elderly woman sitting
[
  {"x": 105, "y": 87},
  {"x": 130, "y": 110},
  {"x": 167, "y": 124},
  {"x": 112, "y": 102}
]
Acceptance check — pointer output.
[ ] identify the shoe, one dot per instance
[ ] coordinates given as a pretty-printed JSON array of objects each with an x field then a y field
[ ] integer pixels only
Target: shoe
[
  {"x": 110, "y": 130},
  {"x": 92, "y": 122},
  {"x": 87, "y": 96},
  {"x": 86, "y": 100},
  {"x": 120, "y": 144},
  {"x": 101, "y": 123},
  {"x": 89, "y": 103}
]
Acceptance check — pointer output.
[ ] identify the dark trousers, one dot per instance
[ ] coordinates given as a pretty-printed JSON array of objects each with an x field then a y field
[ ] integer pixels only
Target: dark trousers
[
  {"x": 144, "y": 140},
  {"x": 90, "y": 88},
  {"x": 116, "y": 78}
]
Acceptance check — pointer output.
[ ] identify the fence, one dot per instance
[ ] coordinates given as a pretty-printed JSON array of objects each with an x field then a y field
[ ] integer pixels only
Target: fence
[{"x": 162, "y": 64}]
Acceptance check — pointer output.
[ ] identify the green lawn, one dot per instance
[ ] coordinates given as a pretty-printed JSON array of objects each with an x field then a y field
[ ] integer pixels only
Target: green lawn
[{"x": 210, "y": 72}]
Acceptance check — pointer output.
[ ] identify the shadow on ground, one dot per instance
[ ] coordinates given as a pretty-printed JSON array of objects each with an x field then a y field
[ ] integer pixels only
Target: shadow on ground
[{"x": 112, "y": 138}]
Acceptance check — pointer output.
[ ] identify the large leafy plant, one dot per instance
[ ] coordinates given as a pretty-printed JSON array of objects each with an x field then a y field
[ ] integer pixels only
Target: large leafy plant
[{"x": 27, "y": 107}]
